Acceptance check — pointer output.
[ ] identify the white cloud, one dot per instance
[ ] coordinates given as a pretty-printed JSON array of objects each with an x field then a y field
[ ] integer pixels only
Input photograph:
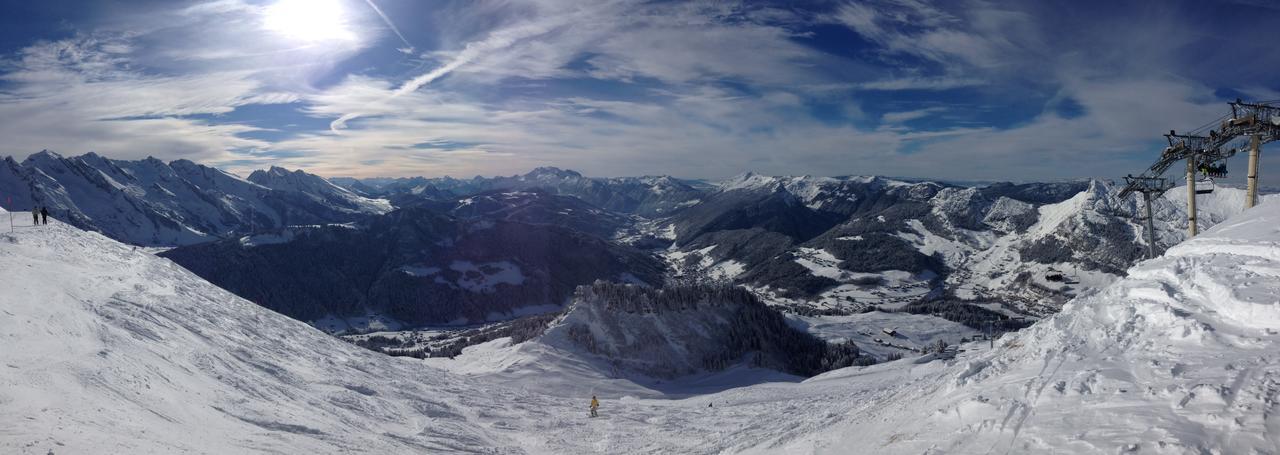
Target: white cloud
[
  {"x": 78, "y": 95},
  {"x": 1124, "y": 118},
  {"x": 626, "y": 40},
  {"x": 695, "y": 128},
  {"x": 980, "y": 37},
  {"x": 700, "y": 132},
  {"x": 680, "y": 43},
  {"x": 132, "y": 85}
]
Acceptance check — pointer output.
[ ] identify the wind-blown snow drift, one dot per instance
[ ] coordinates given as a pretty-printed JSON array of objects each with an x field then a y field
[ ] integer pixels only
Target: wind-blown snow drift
[{"x": 1179, "y": 357}]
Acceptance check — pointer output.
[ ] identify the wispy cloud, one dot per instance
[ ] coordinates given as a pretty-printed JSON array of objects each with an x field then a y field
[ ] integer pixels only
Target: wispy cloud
[
  {"x": 78, "y": 95},
  {"x": 971, "y": 89},
  {"x": 621, "y": 41}
]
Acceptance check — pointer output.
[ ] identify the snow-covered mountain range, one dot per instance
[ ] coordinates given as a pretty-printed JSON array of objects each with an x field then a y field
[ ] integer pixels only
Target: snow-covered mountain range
[
  {"x": 843, "y": 245},
  {"x": 111, "y": 349},
  {"x": 153, "y": 203},
  {"x": 647, "y": 196},
  {"x": 391, "y": 253}
]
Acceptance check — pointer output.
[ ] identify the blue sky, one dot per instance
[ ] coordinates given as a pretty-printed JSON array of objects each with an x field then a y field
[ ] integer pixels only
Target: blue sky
[{"x": 967, "y": 90}]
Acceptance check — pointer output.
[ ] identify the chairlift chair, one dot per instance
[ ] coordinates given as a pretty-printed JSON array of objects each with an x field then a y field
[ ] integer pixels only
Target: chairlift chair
[
  {"x": 1204, "y": 185},
  {"x": 1208, "y": 172}
]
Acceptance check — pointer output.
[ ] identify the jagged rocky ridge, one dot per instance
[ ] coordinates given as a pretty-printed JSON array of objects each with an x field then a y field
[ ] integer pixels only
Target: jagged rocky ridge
[{"x": 683, "y": 330}]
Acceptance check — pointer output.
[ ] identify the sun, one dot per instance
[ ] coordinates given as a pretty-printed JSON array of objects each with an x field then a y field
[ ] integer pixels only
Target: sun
[{"x": 309, "y": 20}]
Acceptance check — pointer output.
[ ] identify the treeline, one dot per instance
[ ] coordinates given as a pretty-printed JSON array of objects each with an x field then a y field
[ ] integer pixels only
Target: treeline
[
  {"x": 973, "y": 316},
  {"x": 341, "y": 272},
  {"x": 1114, "y": 245},
  {"x": 451, "y": 344}
]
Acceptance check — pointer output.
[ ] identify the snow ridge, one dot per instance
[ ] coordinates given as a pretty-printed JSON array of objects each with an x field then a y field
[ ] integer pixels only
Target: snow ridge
[{"x": 112, "y": 350}]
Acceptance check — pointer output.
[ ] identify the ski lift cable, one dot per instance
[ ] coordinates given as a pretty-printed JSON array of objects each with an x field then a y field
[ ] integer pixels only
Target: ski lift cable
[{"x": 1208, "y": 126}]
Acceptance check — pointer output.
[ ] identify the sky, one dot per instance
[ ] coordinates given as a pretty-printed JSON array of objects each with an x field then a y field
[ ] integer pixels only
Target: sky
[{"x": 959, "y": 90}]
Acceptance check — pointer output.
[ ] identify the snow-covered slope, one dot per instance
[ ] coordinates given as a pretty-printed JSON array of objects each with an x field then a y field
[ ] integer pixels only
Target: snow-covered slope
[
  {"x": 1179, "y": 357},
  {"x": 108, "y": 349},
  {"x": 1182, "y": 356}
]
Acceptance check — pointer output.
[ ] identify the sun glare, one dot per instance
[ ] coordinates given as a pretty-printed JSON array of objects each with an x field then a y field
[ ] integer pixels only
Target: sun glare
[{"x": 309, "y": 20}]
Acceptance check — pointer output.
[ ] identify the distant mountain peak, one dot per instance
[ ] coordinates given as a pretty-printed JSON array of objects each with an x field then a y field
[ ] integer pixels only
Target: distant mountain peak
[
  {"x": 277, "y": 172},
  {"x": 748, "y": 181},
  {"x": 551, "y": 171},
  {"x": 45, "y": 154},
  {"x": 280, "y": 171}
]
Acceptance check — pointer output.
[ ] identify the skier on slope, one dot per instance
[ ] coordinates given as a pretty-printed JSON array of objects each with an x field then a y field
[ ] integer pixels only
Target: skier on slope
[{"x": 595, "y": 404}]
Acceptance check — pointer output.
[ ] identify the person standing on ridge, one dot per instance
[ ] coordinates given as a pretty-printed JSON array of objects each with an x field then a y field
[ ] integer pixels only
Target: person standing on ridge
[
  {"x": 35, "y": 215},
  {"x": 595, "y": 404},
  {"x": 44, "y": 214}
]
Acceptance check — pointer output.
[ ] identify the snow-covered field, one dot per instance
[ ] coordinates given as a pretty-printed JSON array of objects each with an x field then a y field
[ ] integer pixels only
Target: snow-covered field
[
  {"x": 725, "y": 270},
  {"x": 912, "y": 333},
  {"x": 888, "y": 289},
  {"x": 112, "y": 350}
]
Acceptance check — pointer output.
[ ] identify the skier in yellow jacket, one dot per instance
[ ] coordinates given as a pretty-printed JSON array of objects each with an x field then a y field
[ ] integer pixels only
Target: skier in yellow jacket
[{"x": 595, "y": 404}]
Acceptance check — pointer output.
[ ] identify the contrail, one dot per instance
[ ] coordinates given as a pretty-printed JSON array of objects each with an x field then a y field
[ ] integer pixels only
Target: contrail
[
  {"x": 409, "y": 47},
  {"x": 411, "y": 86},
  {"x": 473, "y": 50},
  {"x": 469, "y": 53}
]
